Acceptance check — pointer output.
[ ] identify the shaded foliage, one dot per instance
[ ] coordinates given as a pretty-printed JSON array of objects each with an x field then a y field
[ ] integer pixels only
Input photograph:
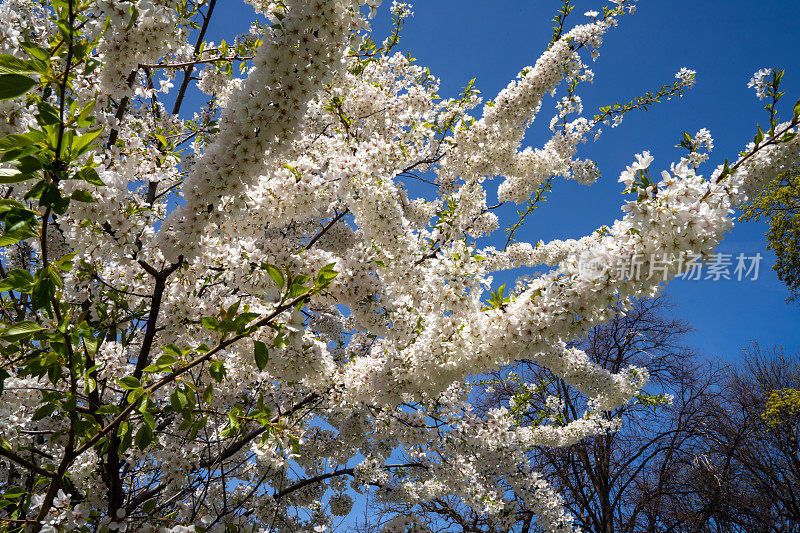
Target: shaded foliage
[{"x": 779, "y": 205}]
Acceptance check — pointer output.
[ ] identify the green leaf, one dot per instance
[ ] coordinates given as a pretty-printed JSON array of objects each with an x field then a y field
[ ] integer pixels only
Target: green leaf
[
  {"x": 245, "y": 318},
  {"x": 796, "y": 110},
  {"x": 36, "y": 51},
  {"x": 14, "y": 237},
  {"x": 227, "y": 326},
  {"x": 173, "y": 350},
  {"x": 232, "y": 309},
  {"x": 162, "y": 364},
  {"x": 130, "y": 383},
  {"x": 89, "y": 175},
  {"x": 14, "y": 492},
  {"x": 217, "y": 370},
  {"x": 294, "y": 442},
  {"x": 178, "y": 400},
  {"x": 91, "y": 65},
  {"x": 143, "y": 437},
  {"x": 89, "y": 385},
  {"x": 9, "y": 175},
  {"x": 759, "y": 136},
  {"x": 148, "y": 419},
  {"x": 35, "y": 192},
  {"x": 14, "y": 140},
  {"x": 50, "y": 195},
  {"x": 48, "y": 115},
  {"x": 83, "y": 143},
  {"x": 65, "y": 264},
  {"x": 134, "y": 16},
  {"x": 210, "y": 323},
  {"x": 43, "y": 291},
  {"x": 82, "y": 196},
  {"x": 108, "y": 410},
  {"x": 28, "y": 164},
  {"x": 297, "y": 289},
  {"x": 261, "y": 354},
  {"x": 135, "y": 394},
  {"x": 21, "y": 330},
  {"x": 17, "y": 280},
  {"x": 14, "y": 85},
  {"x": 233, "y": 422},
  {"x": 44, "y": 411},
  {"x": 85, "y": 118},
  {"x": 149, "y": 505},
  {"x": 199, "y": 424},
  {"x": 124, "y": 434},
  {"x": 326, "y": 275},
  {"x": 13, "y": 65},
  {"x": 276, "y": 275}
]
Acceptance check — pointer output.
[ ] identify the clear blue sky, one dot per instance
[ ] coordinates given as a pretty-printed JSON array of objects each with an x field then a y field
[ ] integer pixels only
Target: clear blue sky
[{"x": 724, "y": 41}]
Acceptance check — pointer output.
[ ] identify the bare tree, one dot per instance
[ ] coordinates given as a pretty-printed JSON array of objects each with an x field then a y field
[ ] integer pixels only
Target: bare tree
[
  {"x": 622, "y": 481},
  {"x": 710, "y": 461},
  {"x": 750, "y": 475}
]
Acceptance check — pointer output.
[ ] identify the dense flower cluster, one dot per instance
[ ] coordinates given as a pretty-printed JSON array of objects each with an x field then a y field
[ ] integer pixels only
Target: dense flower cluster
[
  {"x": 759, "y": 81},
  {"x": 264, "y": 115},
  {"x": 264, "y": 316}
]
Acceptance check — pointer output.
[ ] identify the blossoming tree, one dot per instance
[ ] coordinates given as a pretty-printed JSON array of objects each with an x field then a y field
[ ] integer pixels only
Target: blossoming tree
[{"x": 238, "y": 318}]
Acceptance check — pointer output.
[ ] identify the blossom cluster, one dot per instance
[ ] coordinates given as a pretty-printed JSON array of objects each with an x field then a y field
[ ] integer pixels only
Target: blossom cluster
[{"x": 264, "y": 115}]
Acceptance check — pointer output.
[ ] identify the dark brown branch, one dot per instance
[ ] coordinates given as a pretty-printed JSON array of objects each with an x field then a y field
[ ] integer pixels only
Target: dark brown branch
[
  {"x": 196, "y": 62},
  {"x": 169, "y": 378},
  {"x": 121, "y": 110},
  {"x": 152, "y": 318},
  {"x": 233, "y": 448},
  {"x": 324, "y": 230},
  {"x": 11, "y": 456},
  {"x": 187, "y": 72}
]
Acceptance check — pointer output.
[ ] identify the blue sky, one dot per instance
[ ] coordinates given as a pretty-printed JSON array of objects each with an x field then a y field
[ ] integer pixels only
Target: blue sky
[{"x": 724, "y": 41}]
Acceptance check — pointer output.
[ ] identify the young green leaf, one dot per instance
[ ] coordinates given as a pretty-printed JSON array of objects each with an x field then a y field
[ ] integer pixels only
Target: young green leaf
[
  {"x": 210, "y": 323},
  {"x": 14, "y": 85},
  {"x": 261, "y": 354},
  {"x": 82, "y": 196},
  {"x": 130, "y": 383},
  {"x": 13, "y": 65},
  {"x": 217, "y": 370},
  {"x": 162, "y": 364},
  {"x": 14, "y": 140},
  {"x": 20, "y": 330},
  {"x": 44, "y": 411},
  {"x": 13, "y": 237},
  {"x": 83, "y": 143},
  {"x": 143, "y": 437},
  {"x": 276, "y": 275},
  {"x": 89, "y": 175},
  {"x": 36, "y": 51},
  {"x": 8, "y": 175},
  {"x": 17, "y": 280}
]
